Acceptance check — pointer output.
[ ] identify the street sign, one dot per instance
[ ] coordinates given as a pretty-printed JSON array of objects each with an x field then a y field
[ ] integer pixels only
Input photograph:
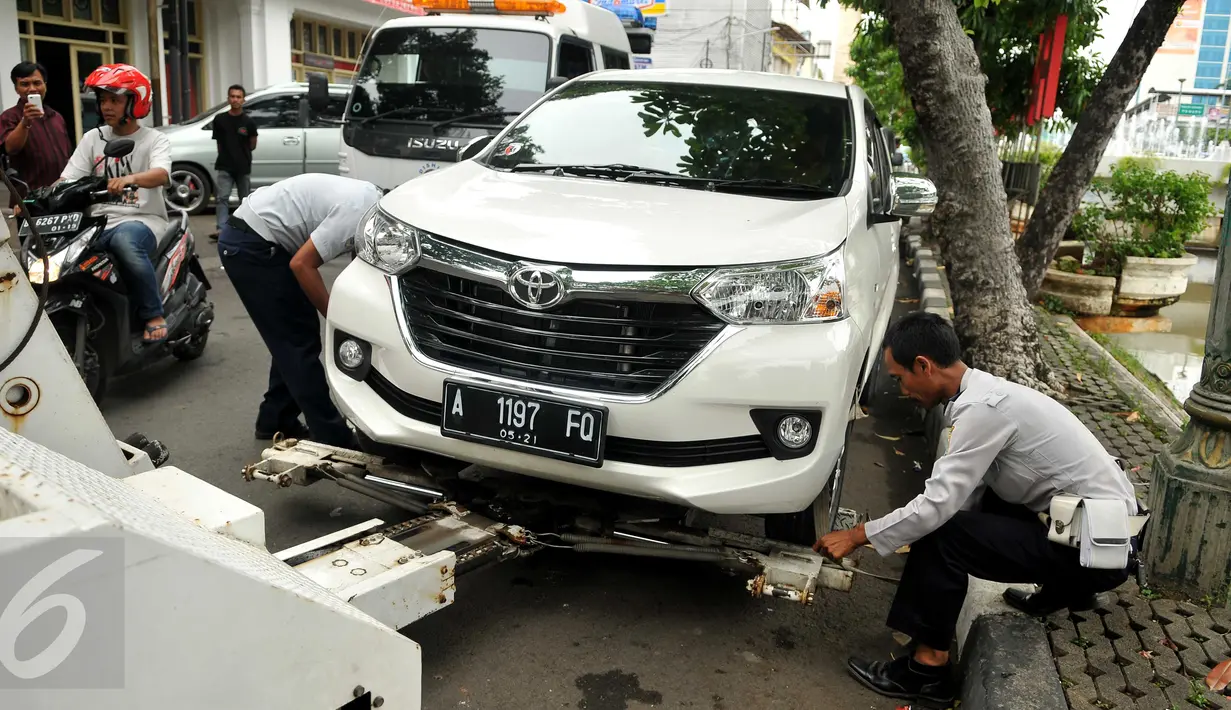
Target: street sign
[{"x": 1192, "y": 109}]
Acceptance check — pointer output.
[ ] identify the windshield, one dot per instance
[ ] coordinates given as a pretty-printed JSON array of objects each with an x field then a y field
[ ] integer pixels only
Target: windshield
[
  {"x": 708, "y": 132},
  {"x": 448, "y": 71},
  {"x": 207, "y": 113}
]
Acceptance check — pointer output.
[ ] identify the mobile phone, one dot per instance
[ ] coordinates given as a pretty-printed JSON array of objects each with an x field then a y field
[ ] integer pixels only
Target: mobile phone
[{"x": 35, "y": 100}]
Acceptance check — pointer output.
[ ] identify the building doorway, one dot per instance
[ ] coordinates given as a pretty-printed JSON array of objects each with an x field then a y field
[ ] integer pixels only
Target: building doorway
[{"x": 57, "y": 57}]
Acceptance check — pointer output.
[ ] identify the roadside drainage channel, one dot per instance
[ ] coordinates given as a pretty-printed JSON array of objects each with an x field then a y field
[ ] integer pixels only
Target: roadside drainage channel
[{"x": 1004, "y": 657}]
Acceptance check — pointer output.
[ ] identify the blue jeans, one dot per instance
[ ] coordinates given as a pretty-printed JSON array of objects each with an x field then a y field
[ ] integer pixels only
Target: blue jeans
[
  {"x": 226, "y": 181},
  {"x": 131, "y": 244}
]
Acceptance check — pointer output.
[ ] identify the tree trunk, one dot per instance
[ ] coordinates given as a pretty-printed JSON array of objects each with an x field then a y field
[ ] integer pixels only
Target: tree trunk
[
  {"x": 992, "y": 316},
  {"x": 1072, "y": 175}
]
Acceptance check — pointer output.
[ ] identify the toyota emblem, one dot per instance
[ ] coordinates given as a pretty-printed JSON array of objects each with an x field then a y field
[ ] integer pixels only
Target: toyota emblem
[{"x": 535, "y": 288}]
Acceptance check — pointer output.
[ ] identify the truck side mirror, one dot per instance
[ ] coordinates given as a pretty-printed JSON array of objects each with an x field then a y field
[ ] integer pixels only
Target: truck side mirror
[
  {"x": 318, "y": 92},
  {"x": 474, "y": 147}
]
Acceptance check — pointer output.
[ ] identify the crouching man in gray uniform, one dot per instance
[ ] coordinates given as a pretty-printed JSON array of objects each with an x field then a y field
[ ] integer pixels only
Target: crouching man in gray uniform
[
  {"x": 272, "y": 249},
  {"x": 1010, "y": 451}
]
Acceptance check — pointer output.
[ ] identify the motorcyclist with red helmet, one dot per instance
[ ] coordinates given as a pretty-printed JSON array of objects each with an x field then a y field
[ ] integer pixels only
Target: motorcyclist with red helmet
[{"x": 134, "y": 219}]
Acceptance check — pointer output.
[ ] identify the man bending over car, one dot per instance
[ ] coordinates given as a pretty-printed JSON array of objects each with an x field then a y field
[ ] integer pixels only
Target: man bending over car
[{"x": 136, "y": 218}]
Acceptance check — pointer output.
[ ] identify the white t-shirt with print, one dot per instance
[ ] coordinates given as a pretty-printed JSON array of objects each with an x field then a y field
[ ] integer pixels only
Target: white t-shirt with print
[{"x": 151, "y": 149}]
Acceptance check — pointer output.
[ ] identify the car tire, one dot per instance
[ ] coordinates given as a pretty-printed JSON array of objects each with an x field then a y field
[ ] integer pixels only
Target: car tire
[
  {"x": 190, "y": 189},
  {"x": 808, "y": 525}
]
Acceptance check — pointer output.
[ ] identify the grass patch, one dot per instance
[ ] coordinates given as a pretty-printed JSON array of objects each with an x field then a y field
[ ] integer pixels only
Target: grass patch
[
  {"x": 1196, "y": 695},
  {"x": 1149, "y": 379}
]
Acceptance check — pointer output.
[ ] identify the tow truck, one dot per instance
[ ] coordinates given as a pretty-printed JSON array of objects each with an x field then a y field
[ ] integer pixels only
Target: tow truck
[{"x": 116, "y": 561}]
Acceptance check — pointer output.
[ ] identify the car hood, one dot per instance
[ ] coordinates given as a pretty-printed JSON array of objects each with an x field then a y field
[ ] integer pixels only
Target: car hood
[{"x": 569, "y": 220}]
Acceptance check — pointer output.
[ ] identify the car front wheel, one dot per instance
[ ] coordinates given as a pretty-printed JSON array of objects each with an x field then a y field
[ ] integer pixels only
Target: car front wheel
[{"x": 825, "y": 513}]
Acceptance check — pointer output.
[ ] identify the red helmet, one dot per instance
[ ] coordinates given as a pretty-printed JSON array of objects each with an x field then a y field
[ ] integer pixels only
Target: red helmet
[{"x": 127, "y": 80}]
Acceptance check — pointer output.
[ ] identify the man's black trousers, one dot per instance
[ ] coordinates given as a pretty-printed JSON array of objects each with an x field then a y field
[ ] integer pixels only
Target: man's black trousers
[
  {"x": 261, "y": 273},
  {"x": 1000, "y": 543}
]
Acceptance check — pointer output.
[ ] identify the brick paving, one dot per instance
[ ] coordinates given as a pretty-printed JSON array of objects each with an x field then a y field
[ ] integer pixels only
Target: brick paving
[{"x": 1131, "y": 651}]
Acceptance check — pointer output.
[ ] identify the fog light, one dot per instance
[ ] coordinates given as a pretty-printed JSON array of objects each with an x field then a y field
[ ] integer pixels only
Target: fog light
[
  {"x": 350, "y": 355},
  {"x": 794, "y": 431}
]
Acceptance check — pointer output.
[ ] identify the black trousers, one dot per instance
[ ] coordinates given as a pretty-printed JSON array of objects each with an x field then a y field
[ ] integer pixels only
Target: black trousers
[
  {"x": 290, "y": 326},
  {"x": 1000, "y": 543}
]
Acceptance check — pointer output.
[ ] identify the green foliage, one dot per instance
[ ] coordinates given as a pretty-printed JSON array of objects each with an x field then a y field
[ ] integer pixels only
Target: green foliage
[
  {"x": 1006, "y": 37},
  {"x": 1144, "y": 212}
]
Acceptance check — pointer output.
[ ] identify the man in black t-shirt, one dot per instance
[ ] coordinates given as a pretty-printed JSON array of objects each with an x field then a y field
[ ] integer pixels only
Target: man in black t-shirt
[{"x": 235, "y": 132}]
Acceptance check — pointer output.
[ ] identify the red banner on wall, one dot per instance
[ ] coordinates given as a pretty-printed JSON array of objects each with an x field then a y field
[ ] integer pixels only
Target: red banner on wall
[
  {"x": 1046, "y": 80},
  {"x": 399, "y": 5}
]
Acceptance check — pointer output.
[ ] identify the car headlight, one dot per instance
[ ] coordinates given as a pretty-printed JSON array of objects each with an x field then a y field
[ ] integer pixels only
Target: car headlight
[
  {"x": 387, "y": 243},
  {"x": 807, "y": 291},
  {"x": 56, "y": 262}
]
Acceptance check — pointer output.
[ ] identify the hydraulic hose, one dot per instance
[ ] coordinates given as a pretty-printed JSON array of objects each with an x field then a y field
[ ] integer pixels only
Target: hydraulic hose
[
  {"x": 42, "y": 293},
  {"x": 587, "y": 543}
]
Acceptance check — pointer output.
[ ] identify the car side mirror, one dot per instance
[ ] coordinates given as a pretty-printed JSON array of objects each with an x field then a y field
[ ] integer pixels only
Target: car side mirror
[
  {"x": 556, "y": 82},
  {"x": 474, "y": 147},
  {"x": 913, "y": 197},
  {"x": 318, "y": 92},
  {"x": 897, "y": 159},
  {"x": 118, "y": 147}
]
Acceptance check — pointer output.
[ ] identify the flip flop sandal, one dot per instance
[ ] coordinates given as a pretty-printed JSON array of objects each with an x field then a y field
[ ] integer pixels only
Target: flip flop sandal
[{"x": 150, "y": 329}]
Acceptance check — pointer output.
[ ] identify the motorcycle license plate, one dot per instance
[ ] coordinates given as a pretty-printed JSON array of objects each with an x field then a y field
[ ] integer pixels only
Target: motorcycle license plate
[{"x": 49, "y": 224}]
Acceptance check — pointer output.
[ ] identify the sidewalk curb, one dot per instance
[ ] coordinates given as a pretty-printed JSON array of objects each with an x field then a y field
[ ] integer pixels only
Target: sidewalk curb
[{"x": 1005, "y": 657}]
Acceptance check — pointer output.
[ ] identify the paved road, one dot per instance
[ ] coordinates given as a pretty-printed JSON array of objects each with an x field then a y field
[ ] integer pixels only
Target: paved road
[{"x": 558, "y": 630}]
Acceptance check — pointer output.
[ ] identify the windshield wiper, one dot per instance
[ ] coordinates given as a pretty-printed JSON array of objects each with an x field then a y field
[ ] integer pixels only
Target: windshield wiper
[
  {"x": 615, "y": 170},
  {"x": 395, "y": 111},
  {"x": 768, "y": 184},
  {"x": 474, "y": 116}
]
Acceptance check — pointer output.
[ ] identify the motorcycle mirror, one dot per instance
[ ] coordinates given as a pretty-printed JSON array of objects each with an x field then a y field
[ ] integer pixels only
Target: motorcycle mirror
[
  {"x": 119, "y": 147},
  {"x": 318, "y": 92}
]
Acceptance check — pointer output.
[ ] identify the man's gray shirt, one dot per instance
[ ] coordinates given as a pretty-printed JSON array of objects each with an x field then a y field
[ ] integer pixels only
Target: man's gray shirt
[
  {"x": 317, "y": 206},
  {"x": 1023, "y": 445}
]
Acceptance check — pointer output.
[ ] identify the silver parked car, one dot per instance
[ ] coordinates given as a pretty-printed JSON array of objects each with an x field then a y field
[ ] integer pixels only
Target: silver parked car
[{"x": 292, "y": 138}]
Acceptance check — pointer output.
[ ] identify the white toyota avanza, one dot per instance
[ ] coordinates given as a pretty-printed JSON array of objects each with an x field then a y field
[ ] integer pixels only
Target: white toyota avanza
[{"x": 670, "y": 284}]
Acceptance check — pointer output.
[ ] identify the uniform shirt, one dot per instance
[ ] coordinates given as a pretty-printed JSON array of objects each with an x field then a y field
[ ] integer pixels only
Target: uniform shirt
[
  {"x": 316, "y": 206},
  {"x": 152, "y": 149},
  {"x": 1023, "y": 445},
  {"x": 234, "y": 134},
  {"x": 47, "y": 148}
]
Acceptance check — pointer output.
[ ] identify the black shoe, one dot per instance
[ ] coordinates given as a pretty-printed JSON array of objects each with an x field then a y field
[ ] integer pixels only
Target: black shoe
[
  {"x": 294, "y": 430},
  {"x": 904, "y": 679},
  {"x": 1043, "y": 603}
]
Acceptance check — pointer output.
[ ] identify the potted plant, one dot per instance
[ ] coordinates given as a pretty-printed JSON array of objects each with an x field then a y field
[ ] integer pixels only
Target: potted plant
[
  {"x": 1141, "y": 234},
  {"x": 1087, "y": 290}
]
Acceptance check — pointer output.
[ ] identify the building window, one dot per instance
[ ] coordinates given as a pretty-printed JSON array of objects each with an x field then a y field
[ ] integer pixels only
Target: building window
[
  {"x": 1214, "y": 39},
  {"x": 824, "y": 50},
  {"x": 90, "y": 13},
  {"x": 1205, "y": 84},
  {"x": 1209, "y": 70},
  {"x": 324, "y": 48},
  {"x": 1216, "y": 23},
  {"x": 1218, "y": 7}
]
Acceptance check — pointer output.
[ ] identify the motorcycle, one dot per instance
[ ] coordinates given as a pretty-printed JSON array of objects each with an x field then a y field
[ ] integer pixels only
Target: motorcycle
[{"x": 88, "y": 303}]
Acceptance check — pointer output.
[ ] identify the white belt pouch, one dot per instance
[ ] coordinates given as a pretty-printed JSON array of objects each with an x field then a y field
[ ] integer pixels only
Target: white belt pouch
[{"x": 1101, "y": 529}]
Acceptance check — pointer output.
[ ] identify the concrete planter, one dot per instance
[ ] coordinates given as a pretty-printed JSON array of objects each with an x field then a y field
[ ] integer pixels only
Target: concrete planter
[
  {"x": 1075, "y": 249},
  {"x": 1147, "y": 284},
  {"x": 1086, "y": 295}
]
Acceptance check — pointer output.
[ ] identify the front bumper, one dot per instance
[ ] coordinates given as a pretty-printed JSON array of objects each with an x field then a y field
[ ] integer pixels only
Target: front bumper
[{"x": 694, "y": 444}]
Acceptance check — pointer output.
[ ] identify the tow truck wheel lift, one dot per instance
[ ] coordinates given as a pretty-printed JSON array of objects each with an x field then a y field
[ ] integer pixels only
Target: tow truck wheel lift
[{"x": 462, "y": 539}]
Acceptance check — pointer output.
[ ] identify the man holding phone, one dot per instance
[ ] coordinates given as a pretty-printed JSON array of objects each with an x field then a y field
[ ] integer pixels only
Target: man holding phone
[{"x": 34, "y": 134}]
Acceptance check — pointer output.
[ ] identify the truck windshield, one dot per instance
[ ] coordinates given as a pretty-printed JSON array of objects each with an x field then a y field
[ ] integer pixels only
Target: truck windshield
[
  {"x": 701, "y": 132},
  {"x": 412, "y": 74}
]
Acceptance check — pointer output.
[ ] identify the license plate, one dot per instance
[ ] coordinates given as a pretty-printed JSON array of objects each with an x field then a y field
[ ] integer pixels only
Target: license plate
[
  {"x": 539, "y": 425},
  {"x": 53, "y": 224}
]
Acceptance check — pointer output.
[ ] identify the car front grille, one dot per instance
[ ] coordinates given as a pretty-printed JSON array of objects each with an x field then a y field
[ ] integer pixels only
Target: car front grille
[
  {"x": 610, "y": 346},
  {"x": 666, "y": 454}
]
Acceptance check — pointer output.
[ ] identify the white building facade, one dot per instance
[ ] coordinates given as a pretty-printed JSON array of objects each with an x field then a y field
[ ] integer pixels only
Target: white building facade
[
  {"x": 718, "y": 34},
  {"x": 256, "y": 43}
]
